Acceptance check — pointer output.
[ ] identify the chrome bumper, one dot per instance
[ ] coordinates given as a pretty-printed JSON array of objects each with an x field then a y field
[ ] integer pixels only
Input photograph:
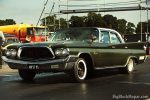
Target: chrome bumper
[{"x": 55, "y": 64}]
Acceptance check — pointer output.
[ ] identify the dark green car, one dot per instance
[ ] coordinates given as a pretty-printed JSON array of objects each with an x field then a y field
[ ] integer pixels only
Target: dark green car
[{"x": 76, "y": 51}]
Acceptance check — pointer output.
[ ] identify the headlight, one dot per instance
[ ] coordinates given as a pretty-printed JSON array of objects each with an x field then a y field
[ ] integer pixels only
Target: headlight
[
  {"x": 62, "y": 52},
  {"x": 11, "y": 53},
  {"x": 8, "y": 53}
]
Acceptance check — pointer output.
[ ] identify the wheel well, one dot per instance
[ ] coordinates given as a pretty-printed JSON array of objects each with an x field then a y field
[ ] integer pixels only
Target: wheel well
[
  {"x": 135, "y": 59},
  {"x": 88, "y": 59}
]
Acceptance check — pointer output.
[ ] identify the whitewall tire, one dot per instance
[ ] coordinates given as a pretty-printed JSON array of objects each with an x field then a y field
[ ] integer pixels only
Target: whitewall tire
[{"x": 80, "y": 70}]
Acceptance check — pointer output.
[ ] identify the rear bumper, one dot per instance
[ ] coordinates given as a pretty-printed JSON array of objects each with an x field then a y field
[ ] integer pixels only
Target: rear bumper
[{"x": 48, "y": 65}]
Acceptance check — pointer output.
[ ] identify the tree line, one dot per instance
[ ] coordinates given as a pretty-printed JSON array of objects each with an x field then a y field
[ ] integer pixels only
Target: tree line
[
  {"x": 96, "y": 20},
  {"x": 7, "y": 22},
  {"x": 91, "y": 20}
]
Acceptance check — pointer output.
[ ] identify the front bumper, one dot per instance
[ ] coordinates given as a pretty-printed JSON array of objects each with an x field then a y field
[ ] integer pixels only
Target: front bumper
[{"x": 48, "y": 65}]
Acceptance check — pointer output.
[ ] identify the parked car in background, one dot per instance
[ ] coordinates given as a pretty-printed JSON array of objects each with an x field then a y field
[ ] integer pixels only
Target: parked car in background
[
  {"x": 9, "y": 39},
  {"x": 77, "y": 52}
]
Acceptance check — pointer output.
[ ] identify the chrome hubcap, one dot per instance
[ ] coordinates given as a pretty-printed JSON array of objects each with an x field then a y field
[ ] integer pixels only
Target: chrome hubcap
[{"x": 82, "y": 69}]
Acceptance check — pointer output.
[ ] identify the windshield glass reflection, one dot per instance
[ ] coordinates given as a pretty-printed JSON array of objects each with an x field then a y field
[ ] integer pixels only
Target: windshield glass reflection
[{"x": 76, "y": 34}]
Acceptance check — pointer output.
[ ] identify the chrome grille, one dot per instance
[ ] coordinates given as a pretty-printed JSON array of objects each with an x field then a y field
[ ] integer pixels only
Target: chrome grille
[{"x": 35, "y": 53}]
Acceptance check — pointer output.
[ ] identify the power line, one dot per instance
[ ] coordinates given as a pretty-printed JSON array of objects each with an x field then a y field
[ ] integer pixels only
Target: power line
[
  {"x": 42, "y": 12},
  {"x": 108, "y": 4},
  {"x": 104, "y": 9},
  {"x": 52, "y": 8},
  {"x": 95, "y": 5}
]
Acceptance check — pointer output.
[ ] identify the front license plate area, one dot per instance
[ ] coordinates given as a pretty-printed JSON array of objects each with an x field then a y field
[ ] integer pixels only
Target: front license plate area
[{"x": 32, "y": 66}]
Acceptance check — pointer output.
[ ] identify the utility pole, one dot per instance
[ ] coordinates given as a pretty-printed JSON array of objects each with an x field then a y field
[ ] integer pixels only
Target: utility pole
[
  {"x": 50, "y": 13},
  {"x": 141, "y": 19},
  {"x": 45, "y": 18},
  {"x": 59, "y": 11},
  {"x": 67, "y": 16},
  {"x": 147, "y": 18},
  {"x": 54, "y": 22},
  {"x": 147, "y": 3}
]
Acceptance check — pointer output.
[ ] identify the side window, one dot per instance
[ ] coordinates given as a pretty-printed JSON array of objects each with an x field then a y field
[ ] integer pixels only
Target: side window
[
  {"x": 114, "y": 38},
  {"x": 105, "y": 37},
  {"x": 94, "y": 35}
]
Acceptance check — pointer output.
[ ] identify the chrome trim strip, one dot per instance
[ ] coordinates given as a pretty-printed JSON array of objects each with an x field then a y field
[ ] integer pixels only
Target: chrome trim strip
[
  {"x": 117, "y": 66},
  {"x": 19, "y": 52},
  {"x": 107, "y": 67},
  {"x": 51, "y": 51},
  {"x": 55, "y": 61}
]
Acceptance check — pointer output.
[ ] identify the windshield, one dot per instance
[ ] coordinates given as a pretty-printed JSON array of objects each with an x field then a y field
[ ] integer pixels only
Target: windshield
[
  {"x": 76, "y": 34},
  {"x": 12, "y": 40},
  {"x": 37, "y": 31}
]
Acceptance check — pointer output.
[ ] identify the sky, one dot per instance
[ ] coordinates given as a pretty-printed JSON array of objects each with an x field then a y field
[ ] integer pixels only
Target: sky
[{"x": 28, "y": 11}]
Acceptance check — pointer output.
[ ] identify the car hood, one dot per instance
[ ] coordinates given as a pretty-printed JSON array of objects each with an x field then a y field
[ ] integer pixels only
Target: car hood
[
  {"x": 57, "y": 44},
  {"x": 76, "y": 44}
]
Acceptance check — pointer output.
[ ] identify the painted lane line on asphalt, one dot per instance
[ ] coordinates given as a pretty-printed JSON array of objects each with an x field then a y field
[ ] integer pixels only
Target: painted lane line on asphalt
[{"x": 136, "y": 83}]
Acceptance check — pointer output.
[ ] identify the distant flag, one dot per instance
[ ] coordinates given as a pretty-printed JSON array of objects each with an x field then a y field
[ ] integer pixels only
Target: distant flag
[{"x": 148, "y": 2}]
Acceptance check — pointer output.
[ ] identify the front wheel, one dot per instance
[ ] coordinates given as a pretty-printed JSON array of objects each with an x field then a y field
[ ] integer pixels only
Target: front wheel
[
  {"x": 26, "y": 75},
  {"x": 80, "y": 70}
]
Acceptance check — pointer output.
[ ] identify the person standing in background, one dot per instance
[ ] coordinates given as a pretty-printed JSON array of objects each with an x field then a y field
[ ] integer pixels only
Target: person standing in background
[
  {"x": 2, "y": 39},
  {"x": 28, "y": 39}
]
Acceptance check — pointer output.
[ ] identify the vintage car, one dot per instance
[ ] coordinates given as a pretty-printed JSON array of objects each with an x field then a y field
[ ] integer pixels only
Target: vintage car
[
  {"x": 77, "y": 52},
  {"x": 9, "y": 39}
]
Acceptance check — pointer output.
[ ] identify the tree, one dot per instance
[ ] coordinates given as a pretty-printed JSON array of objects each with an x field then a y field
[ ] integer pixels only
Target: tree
[
  {"x": 110, "y": 22},
  {"x": 130, "y": 28},
  {"x": 53, "y": 23},
  {"x": 2, "y": 22},
  {"x": 50, "y": 21},
  {"x": 63, "y": 23},
  {"x": 144, "y": 27},
  {"x": 94, "y": 20},
  {"x": 7, "y": 22},
  {"x": 121, "y": 26},
  {"x": 91, "y": 20},
  {"x": 76, "y": 21}
]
